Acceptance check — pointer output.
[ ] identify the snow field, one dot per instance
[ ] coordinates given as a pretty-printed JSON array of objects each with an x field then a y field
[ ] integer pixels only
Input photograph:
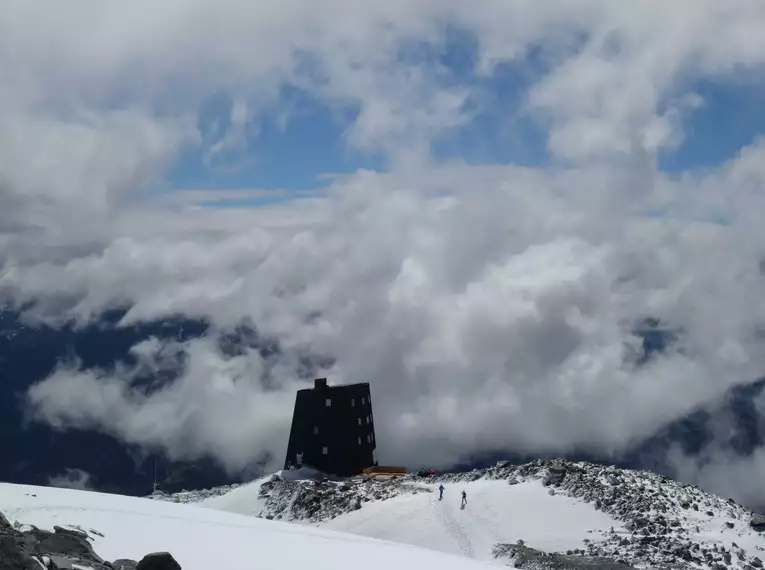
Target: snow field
[{"x": 201, "y": 538}]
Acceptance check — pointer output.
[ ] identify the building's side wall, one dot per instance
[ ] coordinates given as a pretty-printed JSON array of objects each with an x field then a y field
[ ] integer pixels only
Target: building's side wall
[
  {"x": 337, "y": 438},
  {"x": 301, "y": 420}
]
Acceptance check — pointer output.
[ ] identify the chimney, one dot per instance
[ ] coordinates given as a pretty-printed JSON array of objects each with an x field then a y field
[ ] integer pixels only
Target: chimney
[{"x": 319, "y": 383}]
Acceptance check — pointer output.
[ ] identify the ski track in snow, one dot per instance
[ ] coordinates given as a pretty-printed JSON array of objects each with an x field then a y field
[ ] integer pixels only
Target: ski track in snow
[
  {"x": 495, "y": 513},
  {"x": 455, "y": 529}
]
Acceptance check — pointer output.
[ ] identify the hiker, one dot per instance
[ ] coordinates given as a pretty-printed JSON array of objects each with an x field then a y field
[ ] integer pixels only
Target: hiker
[
  {"x": 440, "y": 492},
  {"x": 464, "y": 498}
]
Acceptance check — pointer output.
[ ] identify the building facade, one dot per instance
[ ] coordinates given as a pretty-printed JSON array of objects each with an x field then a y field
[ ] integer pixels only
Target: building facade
[{"x": 333, "y": 429}]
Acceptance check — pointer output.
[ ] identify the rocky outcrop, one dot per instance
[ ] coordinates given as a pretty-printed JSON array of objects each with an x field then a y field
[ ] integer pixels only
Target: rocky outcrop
[
  {"x": 556, "y": 473},
  {"x": 192, "y": 496},
  {"x": 322, "y": 500},
  {"x": 660, "y": 517},
  {"x": 525, "y": 558},
  {"x": 158, "y": 561},
  {"x": 12, "y": 554},
  {"x": 313, "y": 499},
  {"x": 64, "y": 549},
  {"x": 757, "y": 522}
]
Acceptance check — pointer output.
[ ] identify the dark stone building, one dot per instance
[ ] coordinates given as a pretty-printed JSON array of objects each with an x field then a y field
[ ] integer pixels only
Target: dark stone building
[{"x": 332, "y": 429}]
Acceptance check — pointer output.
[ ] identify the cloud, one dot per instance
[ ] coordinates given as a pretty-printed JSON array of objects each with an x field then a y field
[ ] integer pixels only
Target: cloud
[
  {"x": 72, "y": 479},
  {"x": 491, "y": 307},
  {"x": 722, "y": 471},
  {"x": 489, "y": 319}
]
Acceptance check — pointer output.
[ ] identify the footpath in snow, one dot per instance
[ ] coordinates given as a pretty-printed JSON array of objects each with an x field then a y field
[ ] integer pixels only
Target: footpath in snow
[{"x": 495, "y": 513}]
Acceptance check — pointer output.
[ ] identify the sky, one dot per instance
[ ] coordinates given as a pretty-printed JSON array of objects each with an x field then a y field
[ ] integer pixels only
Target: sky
[{"x": 469, "y": 206}]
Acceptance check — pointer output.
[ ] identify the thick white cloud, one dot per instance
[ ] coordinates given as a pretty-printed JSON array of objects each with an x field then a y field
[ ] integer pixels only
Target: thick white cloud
[
  {"x": 490, "y": 307},
  {"x": 490, "y": 318}
]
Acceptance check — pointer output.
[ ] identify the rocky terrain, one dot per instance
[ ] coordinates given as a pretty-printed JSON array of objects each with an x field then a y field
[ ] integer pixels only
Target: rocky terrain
[
  {"x": 317, "y": 501},
  {"x": 63, "y": 549},
  {"x": 665, "y": 524},
  {"x": 526, "y": 558},
  {"x": 312, "y": 500},
  {"x": 663, "y": 518},
  {"x": 193, "y": 496}
]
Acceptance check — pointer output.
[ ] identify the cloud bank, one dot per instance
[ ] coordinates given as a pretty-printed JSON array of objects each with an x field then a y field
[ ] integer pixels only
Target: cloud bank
[{"x": 491, "y": 306}]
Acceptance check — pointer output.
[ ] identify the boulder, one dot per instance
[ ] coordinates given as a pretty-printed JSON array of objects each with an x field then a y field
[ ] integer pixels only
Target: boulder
[
  {"x": 124, "y": 564},
  {"x": 158, "y": 561},
  {"x": 70, "y": 544},
  {"x": 555, "y": 474},
  {"x": 757, "y": 522},
  {"x": 12, "y": 553}
]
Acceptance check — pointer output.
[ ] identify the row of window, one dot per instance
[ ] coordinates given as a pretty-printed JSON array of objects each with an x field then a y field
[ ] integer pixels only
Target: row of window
[
  {"x": 328, "y": 402},
  {"x": 358, "y": 421},
  {"x": 370, "y": 439}
]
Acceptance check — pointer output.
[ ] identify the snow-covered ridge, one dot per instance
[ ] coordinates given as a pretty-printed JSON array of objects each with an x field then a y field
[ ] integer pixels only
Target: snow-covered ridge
[
  {"x": 654, "y": 522},
  {"x": 304, "y": 497},
  {"x": 668, "y": 524}
]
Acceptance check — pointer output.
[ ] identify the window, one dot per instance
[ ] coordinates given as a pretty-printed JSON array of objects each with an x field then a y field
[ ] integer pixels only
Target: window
[
  {"x": 372, "y": 436},
  {"x": 367, "y": 419},
  {"x": 353, "y": 402},
  {"x": 315, "y": 430},
  {"x": 359, "y": 420},
  {"x": 324, "y": 451},
  {"x": 359, "y": 440},
  {"x": 363, "y": 401},
  {"x": 369, "y": 438},
  {"x": 328, "y": 402}
]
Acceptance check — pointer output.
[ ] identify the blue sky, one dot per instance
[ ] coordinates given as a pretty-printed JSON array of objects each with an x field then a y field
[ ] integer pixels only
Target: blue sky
[
  {"x": 294, "y": 155},
  {"x": 732, "y": 117}
]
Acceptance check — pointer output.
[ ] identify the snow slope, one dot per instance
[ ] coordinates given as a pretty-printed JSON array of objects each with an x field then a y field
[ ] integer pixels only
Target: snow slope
[
  {"x": 496, "y": 513},
  {"x": 201, "y": 539},
  {"x": 244, "y": 500},
  {"x": 639, "y": 517}
]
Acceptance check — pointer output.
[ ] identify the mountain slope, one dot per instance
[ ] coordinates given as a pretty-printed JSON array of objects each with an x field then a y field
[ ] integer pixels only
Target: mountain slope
[
  {"x": 495, "y": 513},
  {"x": 637, "y": 517},
  {"x": 201, "y": 539}
]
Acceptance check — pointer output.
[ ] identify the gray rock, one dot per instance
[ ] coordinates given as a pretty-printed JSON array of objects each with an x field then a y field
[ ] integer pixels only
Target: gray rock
[
  {"x": 158, "y": 561},
  {"x": 73, "y": 563},
  {"x": 757, "y": 522},
  {"x": 13, "y": 555},
  {"x": 124, "y": 564},
  {"x": 524, "y": 557},
  {"x": 63, "y": 542}
]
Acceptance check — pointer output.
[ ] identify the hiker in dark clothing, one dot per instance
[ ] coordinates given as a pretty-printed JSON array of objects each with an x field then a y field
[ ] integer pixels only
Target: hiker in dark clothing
[
  {"x": 464, "y": 499},
  {"x": 440, "y": 492}
]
